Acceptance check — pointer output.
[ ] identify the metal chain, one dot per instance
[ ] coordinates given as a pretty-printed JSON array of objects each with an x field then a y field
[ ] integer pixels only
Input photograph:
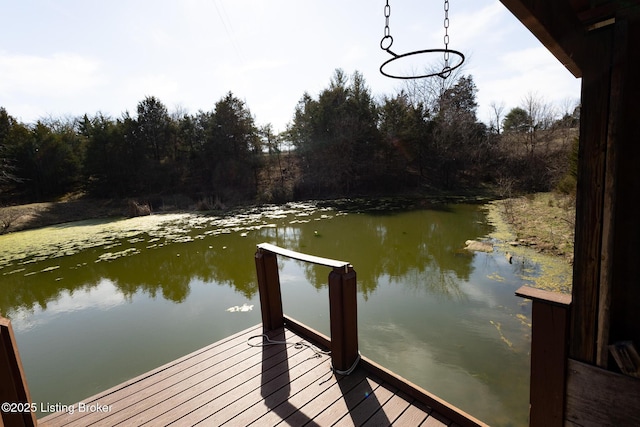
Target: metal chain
[
  {"x": 446, "y": 33},
  {"x": 387, "y": 39}
]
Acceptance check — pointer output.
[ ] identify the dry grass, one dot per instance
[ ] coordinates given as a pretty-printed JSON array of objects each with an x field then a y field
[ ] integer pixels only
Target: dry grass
[
  {"x": 35, "y": 215},
  {"x": 545, "y": 221}
]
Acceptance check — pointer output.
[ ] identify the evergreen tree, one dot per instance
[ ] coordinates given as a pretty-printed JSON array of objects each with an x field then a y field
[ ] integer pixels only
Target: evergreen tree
[
  {"x": 336, "y": 137},
  {"x": 153, "y": 127},
  {"x": 456, "y": 133},
  {"x": 232, "y": 149},
  {"x": 6, "y": 163},
  {"x": 405, "y": 129}
]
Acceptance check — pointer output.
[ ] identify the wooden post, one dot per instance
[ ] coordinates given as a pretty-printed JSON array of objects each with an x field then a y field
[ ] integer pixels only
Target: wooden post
[
  {"x": 549, "y": 353},
  {"x": 13, "y": 384},
  {"x": 269, "y": 289},
  {"x": 343, "y": 318},
  {"x": 343, "y": 313},
  {"x": 591, "y": 262}
]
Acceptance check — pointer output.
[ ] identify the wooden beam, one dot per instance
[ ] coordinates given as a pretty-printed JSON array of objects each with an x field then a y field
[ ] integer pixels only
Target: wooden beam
[
  {"x": 593, "y": 17},
  {"x": 13, "y": 383},
  {"x": 615, "y": 137},
  {"x": 557, "y": 27},
  {"x": 625, "y": 134},
  {"x": 590, "y": 198}
]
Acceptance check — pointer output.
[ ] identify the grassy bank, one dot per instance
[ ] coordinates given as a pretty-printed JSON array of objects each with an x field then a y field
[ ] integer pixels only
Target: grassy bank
[
  {"x": 36, "y": 215},
  {"x": 539, "y": 228},
  {"x": 544, "y": 221}
]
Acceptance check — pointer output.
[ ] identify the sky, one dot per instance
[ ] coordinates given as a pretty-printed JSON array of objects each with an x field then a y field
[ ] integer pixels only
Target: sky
[{"x": 65, "y": 58}]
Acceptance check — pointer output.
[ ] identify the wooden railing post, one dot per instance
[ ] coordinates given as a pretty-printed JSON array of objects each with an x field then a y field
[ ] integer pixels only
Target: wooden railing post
[
  {"x": 269, "y": 289},
  {"x": 343, "y": 312},
  {"x": 549, "y": 353},
  {"x": 343, "y": 318},
  {"x": 13, "y": 384}
]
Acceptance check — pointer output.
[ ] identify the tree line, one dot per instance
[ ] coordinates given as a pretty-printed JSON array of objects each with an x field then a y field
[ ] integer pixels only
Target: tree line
[{"x": 342, "y": 142}]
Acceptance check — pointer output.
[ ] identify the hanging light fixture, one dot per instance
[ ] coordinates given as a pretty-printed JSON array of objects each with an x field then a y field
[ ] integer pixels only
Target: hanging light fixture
[{"x": 387, "y": 41}]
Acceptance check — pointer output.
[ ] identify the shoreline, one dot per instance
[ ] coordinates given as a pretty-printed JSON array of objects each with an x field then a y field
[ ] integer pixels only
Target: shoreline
[
  {"x": 42, "y": 214},
  {"x": 543, "y": 222},
  {"x": 538, "y": 228}
]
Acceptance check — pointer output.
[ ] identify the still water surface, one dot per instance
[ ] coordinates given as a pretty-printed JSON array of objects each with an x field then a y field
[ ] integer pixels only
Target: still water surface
[{"x": 95, "y": 303}]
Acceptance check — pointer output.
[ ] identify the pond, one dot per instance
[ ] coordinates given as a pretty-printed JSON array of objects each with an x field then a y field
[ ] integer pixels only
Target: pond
[{"x": 95, "y": 303}]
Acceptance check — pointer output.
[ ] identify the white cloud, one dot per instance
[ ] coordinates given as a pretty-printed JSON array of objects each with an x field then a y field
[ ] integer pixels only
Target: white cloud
[
  {"x": 527, "y": 60},
  {"x": 55, "y": 75},
  {"x": 537, "y": 69},
  {"x": 194, "y": 52},
  {"x": 159, "y": 85},
  {"x": 103, "y": 296},
  {"x": 465, "y": 27}
]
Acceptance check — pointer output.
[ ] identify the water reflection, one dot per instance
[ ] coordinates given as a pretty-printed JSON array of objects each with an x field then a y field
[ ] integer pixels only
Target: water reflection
[
  {"x": 429, "y": 310},
  {"x": 162, "y": 256},
  {"x": 102, "y": 296},
  {"x": 417, "y": 248}
]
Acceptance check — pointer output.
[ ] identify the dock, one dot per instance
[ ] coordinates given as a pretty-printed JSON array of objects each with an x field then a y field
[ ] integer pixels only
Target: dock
[
  {"x": 279, "y": 372},
  {"x": 240, "y": 382}
]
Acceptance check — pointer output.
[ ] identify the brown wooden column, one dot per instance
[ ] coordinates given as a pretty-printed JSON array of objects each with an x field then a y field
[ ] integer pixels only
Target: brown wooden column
[
  {"x": 269, "y": 289},
  {"x": 625, "y": 135},
  {"x": 591, "y": 197},
  {"x": 549, "y": 348},
  {"x": 13, "y": 384},
  {"x": 343, "y": 317},
  {"x": 606, "y": 298}
]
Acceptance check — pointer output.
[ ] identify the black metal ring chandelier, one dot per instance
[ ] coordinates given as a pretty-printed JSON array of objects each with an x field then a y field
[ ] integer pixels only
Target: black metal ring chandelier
[{"x": 387, "y": 41}]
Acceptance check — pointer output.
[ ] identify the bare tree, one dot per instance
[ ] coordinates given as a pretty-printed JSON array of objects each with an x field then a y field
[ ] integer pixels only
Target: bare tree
[
  {"x": 568, "y": 107},
  {"x": 532, "y": 145},
  {"x": 429, "y": 91},
  {"x": 541, "y": 117},
  {"x": 497, "y": 111},
  {"x": 569, "y": 119}
]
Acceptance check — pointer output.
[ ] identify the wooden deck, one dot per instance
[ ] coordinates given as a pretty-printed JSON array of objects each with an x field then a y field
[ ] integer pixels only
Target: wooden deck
[{"x": 232, "y": 383}]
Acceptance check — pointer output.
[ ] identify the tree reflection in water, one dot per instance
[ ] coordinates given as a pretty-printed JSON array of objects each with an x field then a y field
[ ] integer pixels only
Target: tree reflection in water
[
  {"x": 415, "y": 248},
  {"x": 413, "y": 276}
]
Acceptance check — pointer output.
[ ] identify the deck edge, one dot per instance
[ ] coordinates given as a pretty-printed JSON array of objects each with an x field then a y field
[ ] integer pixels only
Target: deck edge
[{"x": 453, "y": 413}]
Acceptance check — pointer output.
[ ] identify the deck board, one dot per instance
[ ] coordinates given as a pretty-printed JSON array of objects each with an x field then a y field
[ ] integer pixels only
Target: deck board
[
  {"x": 414, "y": 415},
  {"x": 172, "y": 375},
  {"x": 390, "y": 411},
  {"x": 315, "y": 399},
  {"x": 232, "y": 383},
  {"x": 365, "y": 405}
]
